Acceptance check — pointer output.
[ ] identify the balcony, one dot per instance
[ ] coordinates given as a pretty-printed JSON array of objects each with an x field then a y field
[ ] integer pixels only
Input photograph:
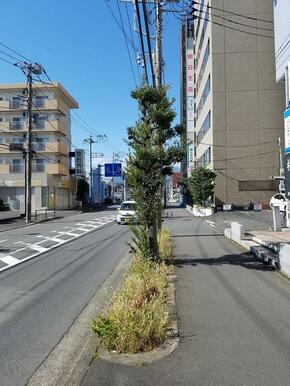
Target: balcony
[
  {"x": 4, "y": 105},
  {"x": 57, "y": 169},
  {"x": 5, "y": 126},
  {"x": 47, "y": 104},
  {"x": 38, "y": 168},
  {"x": 4, "y": 169},
  {"x": 16, "y": 168},
  {"x": 17, "y": 126},
  {"x": 51, "y": 147},
  {"x": 54, "y": 126}
]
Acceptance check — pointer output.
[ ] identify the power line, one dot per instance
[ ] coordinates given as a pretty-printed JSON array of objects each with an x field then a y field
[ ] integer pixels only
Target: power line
[
  {"x": 232, "y": 28},
  {"x": 232, "y": 13},
  {"x": 7, "y": 61},
  {"x": 116, "y": 20},
  {"x": 233, "y": 21},
  {"x": 141, "y": 38},
  {"x": 148, "y": 41},
  {"x": 282, "y": 49},
  {"x": 126, "y": 42},
  {"x": 131, "y": 33},
  {"x": 15, "y": 52}
]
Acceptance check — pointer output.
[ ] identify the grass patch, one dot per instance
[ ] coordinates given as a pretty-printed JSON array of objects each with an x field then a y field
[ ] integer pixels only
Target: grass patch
[
  {"x": 166, "y": 246},
  {"x": 137, "y": 319}
]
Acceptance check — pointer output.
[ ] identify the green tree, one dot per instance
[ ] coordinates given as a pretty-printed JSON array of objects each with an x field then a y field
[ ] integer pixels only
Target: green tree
[
  {"x": 154, "y": 147},
  {"x": 201, "y": 184}
]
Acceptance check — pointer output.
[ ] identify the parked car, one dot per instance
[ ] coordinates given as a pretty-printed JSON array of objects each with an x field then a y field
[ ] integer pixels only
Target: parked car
[
  {"x": 127, "y": 213},
  {"x": 279, "y": 200}
]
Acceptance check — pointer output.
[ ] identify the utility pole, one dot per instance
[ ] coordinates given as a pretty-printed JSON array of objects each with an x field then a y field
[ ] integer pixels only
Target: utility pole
[
  {"x": 158, "y": 69},
  {"x": 113, "y": 181},
  {"x": 29, "y": 69},
  {"x": 90, "y": 141},
  {"x": 281, "y": 168}
]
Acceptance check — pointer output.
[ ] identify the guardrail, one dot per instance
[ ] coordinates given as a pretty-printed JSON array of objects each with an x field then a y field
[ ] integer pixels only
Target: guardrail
[{"x": 44, "y": 214}]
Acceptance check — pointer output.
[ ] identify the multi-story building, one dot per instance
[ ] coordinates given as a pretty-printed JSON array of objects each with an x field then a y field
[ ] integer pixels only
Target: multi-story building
[
  {"x": 237, "y": 103},
  {"x": 51, "y": 139}
]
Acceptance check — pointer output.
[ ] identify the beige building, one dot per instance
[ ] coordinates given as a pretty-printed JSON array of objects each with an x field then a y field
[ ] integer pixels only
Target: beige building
[
  {"x": 238, "y": 107},
  {"x": 51, "y": 138}
]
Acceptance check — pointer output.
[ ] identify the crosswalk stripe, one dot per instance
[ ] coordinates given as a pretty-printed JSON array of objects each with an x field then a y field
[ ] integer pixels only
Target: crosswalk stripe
[{"x": 10, "y": 260}]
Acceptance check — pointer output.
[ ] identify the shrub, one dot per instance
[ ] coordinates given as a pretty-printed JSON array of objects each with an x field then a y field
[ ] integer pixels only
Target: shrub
[{"x": 137, "y": 319}]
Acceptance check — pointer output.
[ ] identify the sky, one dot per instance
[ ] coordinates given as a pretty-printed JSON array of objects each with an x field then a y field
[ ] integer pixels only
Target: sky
[{"x": 81, "y": 46}]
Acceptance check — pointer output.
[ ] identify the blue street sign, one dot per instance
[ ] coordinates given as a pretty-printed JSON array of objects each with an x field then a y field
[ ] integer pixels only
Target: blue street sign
[{"x": 117, "y": 170}]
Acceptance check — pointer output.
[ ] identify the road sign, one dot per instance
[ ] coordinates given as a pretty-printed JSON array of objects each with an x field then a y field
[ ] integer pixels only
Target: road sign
[{"x": 117, "y": 170}]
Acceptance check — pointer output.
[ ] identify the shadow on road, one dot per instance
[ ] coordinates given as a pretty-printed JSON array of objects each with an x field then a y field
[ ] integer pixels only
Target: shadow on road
[{"x": 245, "y": 260}]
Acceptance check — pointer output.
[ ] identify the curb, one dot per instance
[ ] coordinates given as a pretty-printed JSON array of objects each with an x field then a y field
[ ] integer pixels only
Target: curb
[
  {"x": 171, "y": 343},
  {"x": 260, "y": 251},
  {"x": 69, "y": 360}
]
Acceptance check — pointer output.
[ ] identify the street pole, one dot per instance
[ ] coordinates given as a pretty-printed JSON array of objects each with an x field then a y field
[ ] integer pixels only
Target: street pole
[
  {"x": 281, "y": 168},
  {"x": 29, "y": 146},
  {"x": 91, "y": 171},
  {"x": 90, "y": 141},
  {"x": 113, "y": 182},
  {"x": 29, "y": 69},
  {"x": 158, "y": 73}
]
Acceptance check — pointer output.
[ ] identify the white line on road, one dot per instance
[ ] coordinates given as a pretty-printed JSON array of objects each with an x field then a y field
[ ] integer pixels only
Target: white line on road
[{"x": 10, "y": 260}]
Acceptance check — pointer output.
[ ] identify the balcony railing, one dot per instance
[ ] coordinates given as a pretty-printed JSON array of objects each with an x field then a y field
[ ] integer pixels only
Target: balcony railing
[
  {"x": 38, "y": 168},
  {"x": 16, "y": 126},
  {"x": 16, "y": 168},
  {"x": 38, "y": 146},
  {"x": 15, "y": 104}
]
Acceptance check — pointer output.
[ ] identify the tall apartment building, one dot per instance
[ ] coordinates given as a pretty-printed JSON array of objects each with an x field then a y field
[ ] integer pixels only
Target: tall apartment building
[
  {"x": 234, "y": 106},
  {"x": 51, "y": 137}
]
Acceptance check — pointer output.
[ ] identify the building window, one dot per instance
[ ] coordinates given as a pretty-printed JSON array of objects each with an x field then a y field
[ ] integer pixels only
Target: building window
[
  {"x": 203, "y": 98},
  {"x": 38, "y": 165},
  {"x": 203, "y": 66},
  {"x": 17, "y": 123},
  {"x": 39, "y": 121},
  {"x": 40, "y": 100},
  {"x": 204, "y": 129},
  {"x": 16, "y": 102},
  {"x": 205, "y": 159},
  {"x": 17, "y": 166}
]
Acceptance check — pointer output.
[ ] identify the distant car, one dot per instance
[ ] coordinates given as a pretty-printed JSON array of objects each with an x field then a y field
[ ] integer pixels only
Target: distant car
[
  {"x": 279, "y": 200},
  {"x": 127, "y": 213}
]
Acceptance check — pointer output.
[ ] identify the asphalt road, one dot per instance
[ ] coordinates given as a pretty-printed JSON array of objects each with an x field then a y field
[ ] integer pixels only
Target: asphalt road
[
  {"x": 233, "y": 314},
  {"x": 250, "y": 219},
  {"x": 41, "y": 298}
]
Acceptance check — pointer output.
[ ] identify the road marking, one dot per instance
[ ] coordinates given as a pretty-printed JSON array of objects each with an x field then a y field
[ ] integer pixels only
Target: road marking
[
  {"x": 10, "y": 260},
  {"x": 211, "y": 223},
  {"x": 47, "y": 238},
  {"x": 66, "y": 233},
  {"x": 87, "y": 225}
]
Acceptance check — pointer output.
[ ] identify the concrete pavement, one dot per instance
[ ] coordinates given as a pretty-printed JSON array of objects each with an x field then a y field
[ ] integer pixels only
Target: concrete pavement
[{"x": 233, "y": 317}]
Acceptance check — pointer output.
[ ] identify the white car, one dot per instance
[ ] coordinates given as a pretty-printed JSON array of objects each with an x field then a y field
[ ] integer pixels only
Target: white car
[
  {"x": 127, "y": 213},
  {"x": 279, "y": 200}
]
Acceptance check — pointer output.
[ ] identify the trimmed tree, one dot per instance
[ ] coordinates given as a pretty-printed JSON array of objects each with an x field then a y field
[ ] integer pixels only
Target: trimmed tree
[
  {"x": 154, "y": 148},
  {"x": 201, "y": 185}
]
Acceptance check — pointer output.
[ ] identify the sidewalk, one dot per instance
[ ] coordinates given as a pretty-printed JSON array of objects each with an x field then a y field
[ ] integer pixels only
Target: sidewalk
[{"x": 229, "y": 332}]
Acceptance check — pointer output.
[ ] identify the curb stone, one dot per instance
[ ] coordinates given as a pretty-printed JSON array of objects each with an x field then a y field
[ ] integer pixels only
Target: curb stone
[
  {"x": 171, "y": 343},
  {"x": 69, "y": 360}
]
